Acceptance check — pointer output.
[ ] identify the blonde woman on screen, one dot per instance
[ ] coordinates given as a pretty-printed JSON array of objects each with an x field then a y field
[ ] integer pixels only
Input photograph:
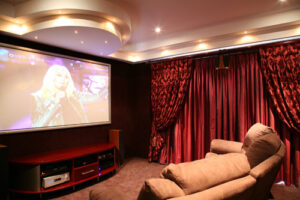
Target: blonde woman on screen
[{"x": 57, "y": 102}]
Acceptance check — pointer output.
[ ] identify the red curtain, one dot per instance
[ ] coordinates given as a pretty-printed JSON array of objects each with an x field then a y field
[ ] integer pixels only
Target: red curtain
[
  {"x": 169, "y": 84},
  {"x": 281, "y": 70},
  {"x": 224, "y": 104}
]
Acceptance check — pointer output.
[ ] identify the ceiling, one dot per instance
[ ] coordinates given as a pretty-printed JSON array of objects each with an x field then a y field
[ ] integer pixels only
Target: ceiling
[{"x": 125, "y": 29}]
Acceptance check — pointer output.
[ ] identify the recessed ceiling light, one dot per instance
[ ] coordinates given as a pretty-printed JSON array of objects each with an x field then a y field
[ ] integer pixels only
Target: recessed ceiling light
[
  {"x": 157, "y": 30},
  {"x": 134, "y": 58},
  {"x": 59, "y": 12},
  {"x": 81, "y": 41},
  {"x": 36, "y": 37},
  {"x": 105, "y": 41},
  {"x": 76, "y": 32},
  {"x": 245, "y": 32},
  {"x": 202, "y": 46},
  {"x": 282, "y": 0},
  {"x": 246, "y": 39},
  {"x": 165, "y": 53}
]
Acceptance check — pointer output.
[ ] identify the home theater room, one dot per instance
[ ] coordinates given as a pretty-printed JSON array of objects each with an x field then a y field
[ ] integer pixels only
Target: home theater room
[{"x": 150, "y": 99}]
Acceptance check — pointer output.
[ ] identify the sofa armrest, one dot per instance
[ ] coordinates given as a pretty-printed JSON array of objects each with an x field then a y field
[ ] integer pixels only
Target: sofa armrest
[
  {"x": 266, "y": 166},
  {"x": 224, "y": 146}
]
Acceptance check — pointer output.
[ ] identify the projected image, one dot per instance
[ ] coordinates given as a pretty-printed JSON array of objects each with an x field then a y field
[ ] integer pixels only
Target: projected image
[{"x": 41, "y": 91}]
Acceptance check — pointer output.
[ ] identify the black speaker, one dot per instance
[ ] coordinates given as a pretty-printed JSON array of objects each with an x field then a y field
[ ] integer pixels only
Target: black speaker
[
  {"x": 3, "y": 172},
  {"x": 116, "y": 137}
]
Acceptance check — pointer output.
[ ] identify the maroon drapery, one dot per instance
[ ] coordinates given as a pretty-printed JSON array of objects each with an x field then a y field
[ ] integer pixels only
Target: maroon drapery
[
  {"x": 169, "y": 84},
  {"x": 281, "y": 70},
  {"x": 224, "y": 104}
]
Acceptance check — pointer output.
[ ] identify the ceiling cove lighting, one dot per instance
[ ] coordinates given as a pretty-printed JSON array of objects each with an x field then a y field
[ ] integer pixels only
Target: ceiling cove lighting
[
  {"x": 17, "y": 29},
  {"x": 134, "y": 58},
  {"x": 110, "y": 26},
  {"x": 62, "y": 21},
  {"x": 228, "y": 48}
]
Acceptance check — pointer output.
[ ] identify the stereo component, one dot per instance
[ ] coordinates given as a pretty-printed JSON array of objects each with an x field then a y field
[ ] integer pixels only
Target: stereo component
[
  {"x": 85, "y": 160},
  {"x": 106, "y": 159},
  {"x": 54, "y": 180}
]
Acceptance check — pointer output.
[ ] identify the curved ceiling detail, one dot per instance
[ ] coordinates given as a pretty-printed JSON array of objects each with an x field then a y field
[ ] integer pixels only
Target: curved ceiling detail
[
  {"x": 125, "y": 29},
  {"x": 98, "y": 20}
]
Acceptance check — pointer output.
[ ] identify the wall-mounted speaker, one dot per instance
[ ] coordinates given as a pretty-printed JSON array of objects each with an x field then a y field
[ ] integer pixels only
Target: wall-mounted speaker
[
  {"x": 116, "y": 137},
  {"x": 3, "y": 172}
]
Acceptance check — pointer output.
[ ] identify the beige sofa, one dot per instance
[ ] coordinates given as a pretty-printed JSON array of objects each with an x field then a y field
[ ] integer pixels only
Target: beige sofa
[{"x": 231, "y": 170}]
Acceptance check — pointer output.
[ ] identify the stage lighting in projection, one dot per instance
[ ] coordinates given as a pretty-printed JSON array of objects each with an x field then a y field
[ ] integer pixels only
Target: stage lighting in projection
[{"x": 39, "y": 91}]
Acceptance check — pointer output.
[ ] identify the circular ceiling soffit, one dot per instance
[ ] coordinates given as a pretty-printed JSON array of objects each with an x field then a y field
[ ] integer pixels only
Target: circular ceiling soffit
[
  {"x": 51, "y": 23},
  {"x": 95, "y": 41}
]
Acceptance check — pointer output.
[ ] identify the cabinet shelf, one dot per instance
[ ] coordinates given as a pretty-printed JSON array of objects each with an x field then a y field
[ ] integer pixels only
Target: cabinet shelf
[{"x": 27, "y": 177}]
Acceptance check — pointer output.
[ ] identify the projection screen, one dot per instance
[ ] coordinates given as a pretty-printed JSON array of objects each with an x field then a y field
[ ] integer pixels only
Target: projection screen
[{"x": 41, "y": 91}]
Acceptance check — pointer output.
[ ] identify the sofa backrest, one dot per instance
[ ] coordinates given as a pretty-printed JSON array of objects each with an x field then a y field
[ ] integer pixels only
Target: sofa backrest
[
  {"x": 202, "y": 174},
  {"x": 260, "y": 143}
]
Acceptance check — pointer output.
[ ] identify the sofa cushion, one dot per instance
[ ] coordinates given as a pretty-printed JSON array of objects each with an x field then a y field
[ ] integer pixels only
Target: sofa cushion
[
  {"x": 163, "y": 188},
  {"x": 220, "y": 146},
  {"x": 202, "y": 174},
  {"x": 260, "y": 143},
  {"x": 236, "y": 189}
]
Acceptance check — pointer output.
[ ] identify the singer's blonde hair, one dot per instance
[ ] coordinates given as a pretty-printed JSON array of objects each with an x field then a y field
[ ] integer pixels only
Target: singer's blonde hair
[{"x": 48, "y": 88}]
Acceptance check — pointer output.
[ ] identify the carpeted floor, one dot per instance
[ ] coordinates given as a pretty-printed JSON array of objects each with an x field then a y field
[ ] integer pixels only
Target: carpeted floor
[{"x": 132, "y": 174}]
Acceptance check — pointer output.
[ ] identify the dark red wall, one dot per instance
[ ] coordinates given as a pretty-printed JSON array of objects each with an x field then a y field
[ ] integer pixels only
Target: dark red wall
[
  {"x": 141, "y": 106},
  {"x": 130, "y": 106}
]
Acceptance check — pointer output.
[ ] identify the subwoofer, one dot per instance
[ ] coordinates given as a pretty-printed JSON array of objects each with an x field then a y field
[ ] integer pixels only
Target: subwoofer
[
  {"x": 3, "y": 172},
  {"x": 116, "y": 137}
]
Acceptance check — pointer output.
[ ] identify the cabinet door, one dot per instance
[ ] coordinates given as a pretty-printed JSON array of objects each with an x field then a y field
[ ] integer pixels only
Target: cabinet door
[{"x": 25, "y": 177}]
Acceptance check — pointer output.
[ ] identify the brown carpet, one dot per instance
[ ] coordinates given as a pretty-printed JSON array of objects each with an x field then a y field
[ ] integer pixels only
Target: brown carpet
[{"x": 132, "y": 174}]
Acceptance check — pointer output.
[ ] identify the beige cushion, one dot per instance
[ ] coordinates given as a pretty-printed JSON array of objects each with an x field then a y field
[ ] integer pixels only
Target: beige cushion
[
  {"x": 236, "y": 188},
  {"x": 202, "y": 174},
  {"x": 163, "y": 188},
  {"x": 260, "y": 143},
  {"x": 220, "y": 146}
]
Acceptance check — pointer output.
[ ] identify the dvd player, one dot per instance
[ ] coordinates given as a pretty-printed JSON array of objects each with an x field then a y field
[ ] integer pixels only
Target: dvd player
[{"x": 54, "y": 180}]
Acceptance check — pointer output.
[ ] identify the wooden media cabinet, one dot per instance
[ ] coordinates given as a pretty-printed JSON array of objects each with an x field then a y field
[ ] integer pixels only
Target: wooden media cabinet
[{"x": 56, "y": 170}]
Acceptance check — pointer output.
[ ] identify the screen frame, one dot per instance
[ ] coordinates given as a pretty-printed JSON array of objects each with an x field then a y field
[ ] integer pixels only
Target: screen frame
[{"x": 46, "y": 53}]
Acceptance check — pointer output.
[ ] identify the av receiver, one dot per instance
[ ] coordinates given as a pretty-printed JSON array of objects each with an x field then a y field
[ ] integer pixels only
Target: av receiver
[
  {"x": 51, "y": 181},
  {"x": 106, "y": 159}
]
